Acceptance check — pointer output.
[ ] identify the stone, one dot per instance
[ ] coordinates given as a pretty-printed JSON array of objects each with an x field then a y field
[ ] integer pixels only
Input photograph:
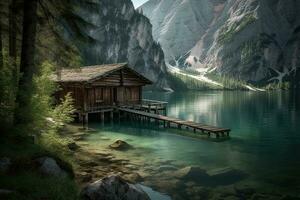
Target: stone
[
  {"x": 49, "y": 167},
  {"x": 73, "y": 146},
  {"x": 84, "y": 176},
  {"x": 120, "y": 145},
  {"x": 167, "y": 168},
  {"x": 133, "y": 177},
  {"x": 225, "y": 176},
  {"x": 113, "y": 188},
  {"x": 104, "y": 138},
  {"x": 201, "y": 192},
  {"x": 5, "y": 164},
  {"x": 167, "y": 185},
  {"x": 191, "y": 173}
]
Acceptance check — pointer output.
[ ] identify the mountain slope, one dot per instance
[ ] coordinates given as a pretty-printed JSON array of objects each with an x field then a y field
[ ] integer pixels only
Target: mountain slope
[
  {"x": 250, "y": 40},
  {"x": 121, "y": 34}
]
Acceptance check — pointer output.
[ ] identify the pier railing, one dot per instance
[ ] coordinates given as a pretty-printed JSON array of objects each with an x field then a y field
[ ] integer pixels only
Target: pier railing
[{"x": 144, "y": 104}]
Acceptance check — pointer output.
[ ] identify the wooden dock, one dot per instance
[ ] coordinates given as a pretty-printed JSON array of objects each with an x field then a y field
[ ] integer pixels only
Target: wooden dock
[{"x": 167, "y": 121}]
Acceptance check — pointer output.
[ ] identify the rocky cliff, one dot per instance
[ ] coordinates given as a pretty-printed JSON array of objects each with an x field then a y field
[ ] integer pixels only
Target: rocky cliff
[
  {"x": 251, "y": 40},
  {"x": 121, "y": 34}
]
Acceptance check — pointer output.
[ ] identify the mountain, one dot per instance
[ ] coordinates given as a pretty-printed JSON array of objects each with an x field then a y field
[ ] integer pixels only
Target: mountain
[
  {"x": 120, "y": 34},
  {"x": 250, "y": 40}
]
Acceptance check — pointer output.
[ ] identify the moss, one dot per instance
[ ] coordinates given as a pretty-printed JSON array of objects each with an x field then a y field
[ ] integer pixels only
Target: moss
[
  {"x": 30, "y": 185},
  {"x": 23, "y": 177},
  {"x": 229, "y": 30}
]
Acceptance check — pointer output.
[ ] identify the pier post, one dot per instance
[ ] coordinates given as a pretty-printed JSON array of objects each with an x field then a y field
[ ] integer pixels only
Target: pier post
[
  {"x": 111, "y": 115},
  {"x": 86, "y": 121},
  {"x": 102, "y": 117}
]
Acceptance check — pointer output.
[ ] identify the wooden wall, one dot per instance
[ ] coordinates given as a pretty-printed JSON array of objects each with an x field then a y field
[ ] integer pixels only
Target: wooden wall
[{"x": 119, "y": 88}]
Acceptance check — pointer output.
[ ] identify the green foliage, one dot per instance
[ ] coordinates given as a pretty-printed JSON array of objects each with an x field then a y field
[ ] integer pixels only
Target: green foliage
[
  {"x": 41, "y": 109},
  {"x": 229, "y": 30},
  {"x": 229, "y": 83},
  {"x": 30, "y": 185},
  {"x": 176, "y": 82},
  {"x": 63, "y": 113},
  {"x": 278, "y": 86},
  {"x": 7, "y": 92}
]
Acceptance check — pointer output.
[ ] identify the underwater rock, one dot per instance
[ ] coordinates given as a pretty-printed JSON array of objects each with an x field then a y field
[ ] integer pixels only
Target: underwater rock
[
  {"x": 120, "y": 145},
  {"x": 167, "y": 168},
  {"x": 5, "y": 164},
  {"x": 167, "y": 185},
  {"x": 133, "y": 177},
  {"x": 112, "y": 188},
  {"x": 191, "y": 173},
  {"x": 104, "y": 138},
  {"x": 49, "y": 167},
  {"x": 84, "y": 177},
  {"x": 226, "y": 176},
  {"x": 73, "y": 146},
  {"x": 198, "y": 192}
]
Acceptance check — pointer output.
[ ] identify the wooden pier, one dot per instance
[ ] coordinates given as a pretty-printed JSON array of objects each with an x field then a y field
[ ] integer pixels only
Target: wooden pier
[{"x": 167, "y": 121}]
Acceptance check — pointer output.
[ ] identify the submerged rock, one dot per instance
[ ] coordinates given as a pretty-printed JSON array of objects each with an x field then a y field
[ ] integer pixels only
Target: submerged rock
[
  {"x": 191, "y": 173},
  {"x": 49, "y": 167},
  {"x": 113, "y": 188},
  {"x": 120, "y": 145},
  {"x": 225, "y": 176},
  {"x": 167, "y": 168},
  {"x": 133, "y": 178},
  {"x": 5, "y": 164}
]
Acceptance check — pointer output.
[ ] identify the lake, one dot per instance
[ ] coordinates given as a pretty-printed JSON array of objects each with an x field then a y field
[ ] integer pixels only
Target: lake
[{"x": 264, "y": 142}]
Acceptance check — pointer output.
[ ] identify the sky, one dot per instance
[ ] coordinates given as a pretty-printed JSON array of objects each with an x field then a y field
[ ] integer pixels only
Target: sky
[{"x": 137, "y": 3}]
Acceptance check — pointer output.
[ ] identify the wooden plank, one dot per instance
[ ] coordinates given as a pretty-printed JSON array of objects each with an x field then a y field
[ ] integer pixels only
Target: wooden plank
[{"x": 211, "y": 129}]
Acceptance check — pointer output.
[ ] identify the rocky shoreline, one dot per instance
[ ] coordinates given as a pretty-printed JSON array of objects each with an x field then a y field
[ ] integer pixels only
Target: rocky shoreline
[{"x": 176, "y": 180}]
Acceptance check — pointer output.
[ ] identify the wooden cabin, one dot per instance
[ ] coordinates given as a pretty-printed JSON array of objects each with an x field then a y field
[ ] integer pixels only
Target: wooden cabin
[{"x": 101, "y": 86}]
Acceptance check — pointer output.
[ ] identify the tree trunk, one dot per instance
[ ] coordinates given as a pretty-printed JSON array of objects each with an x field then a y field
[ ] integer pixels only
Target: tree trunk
[
  {"x": 1, "y": 46},
  {"x": 12, "y": 31},
  {"x": 27, "y": 65}
]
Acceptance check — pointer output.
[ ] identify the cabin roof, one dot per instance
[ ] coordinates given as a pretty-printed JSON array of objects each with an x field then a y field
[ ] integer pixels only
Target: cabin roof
[{"x": 91, "y": 73}]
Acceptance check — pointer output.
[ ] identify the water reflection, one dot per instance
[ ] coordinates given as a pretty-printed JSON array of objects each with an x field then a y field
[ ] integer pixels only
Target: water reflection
[
  {"x": 265, "y": 136},
  {"x": 264, "y": 142}
]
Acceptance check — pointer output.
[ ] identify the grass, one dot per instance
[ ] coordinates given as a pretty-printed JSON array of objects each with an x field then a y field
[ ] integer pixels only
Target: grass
[
  {"x": 23, "y": 177},
  {"x": 30, "y": 185}
]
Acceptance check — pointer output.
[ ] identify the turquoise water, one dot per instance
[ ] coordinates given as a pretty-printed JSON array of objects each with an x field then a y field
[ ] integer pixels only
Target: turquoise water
[{"x": 265, "y": 137}]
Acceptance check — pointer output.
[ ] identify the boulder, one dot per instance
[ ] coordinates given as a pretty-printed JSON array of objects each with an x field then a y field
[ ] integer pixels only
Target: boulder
[
  {"x": 5, "y": 164},
  {"x": 120, "y": 145},
  {"x": 49, "y": 167},
  {"x": 113, "y": 188}
]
